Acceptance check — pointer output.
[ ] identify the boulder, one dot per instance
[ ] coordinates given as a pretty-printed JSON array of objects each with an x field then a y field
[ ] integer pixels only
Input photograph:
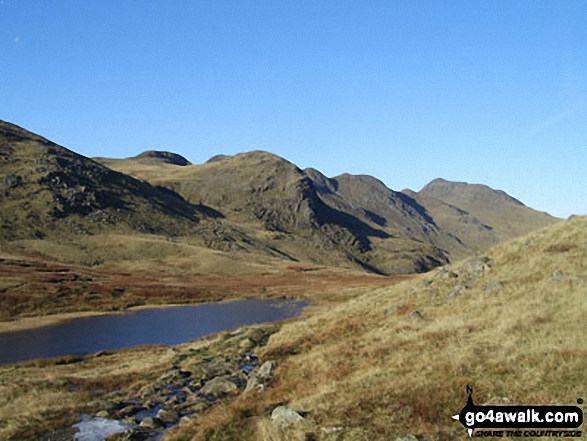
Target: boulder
[
  {"x": 168, "y": 416},
  {"x": 265, "y": 372},
  {"x": 151, "y": 423},
  {"x": 219, "y": 386},
  {"x": 284, "y": 417}
]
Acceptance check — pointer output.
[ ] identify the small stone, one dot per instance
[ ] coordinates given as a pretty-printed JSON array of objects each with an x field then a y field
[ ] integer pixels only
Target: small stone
[
  {"x": 147, "y": 391},
  {"x": 284, "y": 417},
  {"x": 151, "y": 423},
  {"x": 168, "y": 416},
  {"x": 331, "y": 430},
  {"x": 452, "y": 295},
  {"x": 416, "y": 315},
  {"x": 103, "y": 414},
  {"x": 480, "y": 264},
  {"x": 558, "y": 276},
  {"x": 493, "y": 286},
  {"x": 407, "y": 438},
  {"x": 129, "y": 421}
]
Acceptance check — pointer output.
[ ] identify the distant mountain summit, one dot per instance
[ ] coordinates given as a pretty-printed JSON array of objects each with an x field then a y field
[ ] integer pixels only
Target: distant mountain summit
[
  {"x": 167, "y": 157},
  {"x": 471, "y": 195},
  {"x": 477, "y": 214}
]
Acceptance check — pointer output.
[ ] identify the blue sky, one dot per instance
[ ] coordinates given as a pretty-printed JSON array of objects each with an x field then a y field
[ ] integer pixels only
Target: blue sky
[{"x": 491, "y": 92}]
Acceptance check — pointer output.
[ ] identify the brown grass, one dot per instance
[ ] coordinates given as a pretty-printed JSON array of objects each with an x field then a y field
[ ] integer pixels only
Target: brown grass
[{"x": 379, "y": 377}]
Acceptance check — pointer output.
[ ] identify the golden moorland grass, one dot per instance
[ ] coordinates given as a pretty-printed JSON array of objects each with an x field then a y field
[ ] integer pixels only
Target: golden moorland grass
[
  {"x": 367, "y": 368},
  {"x": 516, "y": 330}
]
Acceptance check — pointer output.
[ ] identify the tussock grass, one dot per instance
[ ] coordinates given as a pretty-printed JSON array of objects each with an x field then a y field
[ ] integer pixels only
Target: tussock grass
[{"x": 381, "y": 376}]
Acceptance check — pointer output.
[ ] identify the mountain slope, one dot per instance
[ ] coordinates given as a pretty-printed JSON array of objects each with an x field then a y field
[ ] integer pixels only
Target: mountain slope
[
  {"x": 398, "y": 214},
  {"x": 478, "y": 215},
  {"x": 287, "y": 207},
  {"x": 48, "y": 188}
]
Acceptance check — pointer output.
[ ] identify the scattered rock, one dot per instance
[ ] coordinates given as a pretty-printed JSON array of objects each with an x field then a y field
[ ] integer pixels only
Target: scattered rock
[
  {"x": 331, "y": 430},
  {"x": 445, "y": 274},
  {"x": 219, "y": 386},
  {"x": 151, "y": 423},
  {"x": 284, "y": 417},
  {"x": 261, "y": 376},
  {"x": 452, "y": 295},
  {"x": 168, "y": 416},
  {"x": 493, "y": 286},
  {"x": 558, "y": 276},
  {"x": 265, "y": 372},
  {"x": 147, "y": 391},
  {"x": 103, "y": 414},
  {"x": 407, "y": 438},
  {"x": 480, "y": 264},
  {"x": 129, "y": 410},
  {"x": 416, "y": 315}
]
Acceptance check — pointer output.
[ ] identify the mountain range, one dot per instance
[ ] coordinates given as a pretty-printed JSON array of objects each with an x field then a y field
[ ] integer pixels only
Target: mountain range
[{"x": 253, "y": 205}]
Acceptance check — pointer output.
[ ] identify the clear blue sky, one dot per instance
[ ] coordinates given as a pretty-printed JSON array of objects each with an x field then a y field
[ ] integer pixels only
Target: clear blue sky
[{"x": 491, "y": 92}]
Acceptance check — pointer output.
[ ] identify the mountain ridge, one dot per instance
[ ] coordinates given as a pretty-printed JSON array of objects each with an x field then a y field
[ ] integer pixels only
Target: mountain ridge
[{"x": 252, "y": 202}]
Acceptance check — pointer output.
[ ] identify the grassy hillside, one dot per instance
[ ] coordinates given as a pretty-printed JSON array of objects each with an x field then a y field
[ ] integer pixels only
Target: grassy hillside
[{"x": 511, "y": 324}]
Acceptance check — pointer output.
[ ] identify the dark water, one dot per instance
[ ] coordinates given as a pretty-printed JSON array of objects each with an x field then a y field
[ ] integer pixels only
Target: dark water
[{"x": 149, "y": 326}]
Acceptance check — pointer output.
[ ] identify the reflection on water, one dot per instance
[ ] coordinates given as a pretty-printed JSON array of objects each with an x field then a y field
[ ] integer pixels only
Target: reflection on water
[{"x": 149, "y": 326}]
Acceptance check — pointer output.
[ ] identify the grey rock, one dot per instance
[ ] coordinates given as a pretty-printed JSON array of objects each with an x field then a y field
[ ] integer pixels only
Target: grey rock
[
  {"x": 151, "y": 423},
  {"x": 148, "y": 391},
  {"x": 452, "y": 295},
  {"x": 128, "y": 410},
  {"x": 445, "y": 274},
  {"x": 253, "y": 384},
  {"x": 168, "y": 416},
  {"x": 103, "y": 414},
  {"x": 493, "y": 286},
  {"x": 480, "y": 264},
  {"x": 416, "y": 315},
  {"x": 266, "y": 370},
  {"x": 331, "y": 430},
  {"x": 558, "y": 276},
  {"x": 407, "y": 438},
  {"x": 219, "y": 386},
  {"x": 284, "y": 417}
]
